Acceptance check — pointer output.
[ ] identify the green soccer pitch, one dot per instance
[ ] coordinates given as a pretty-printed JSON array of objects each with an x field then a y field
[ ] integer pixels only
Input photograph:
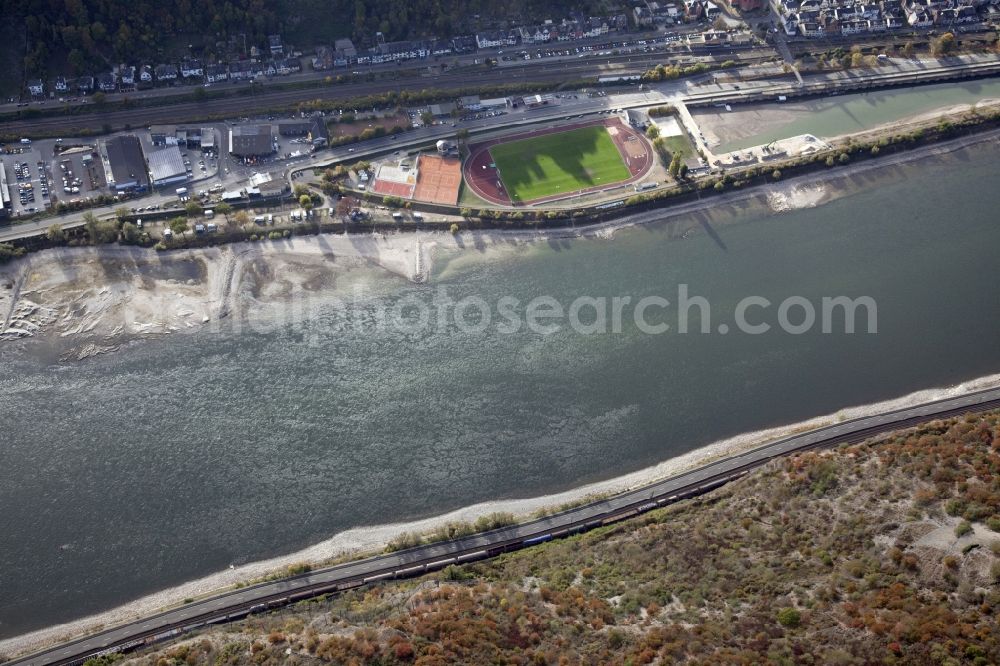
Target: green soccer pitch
[{"x": 551, "y": 164}]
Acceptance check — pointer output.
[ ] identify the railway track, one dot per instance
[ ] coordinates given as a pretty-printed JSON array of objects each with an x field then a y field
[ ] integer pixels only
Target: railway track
[
  {"x": 241, "y": 104},
  {"x": 417, "y": 561}
]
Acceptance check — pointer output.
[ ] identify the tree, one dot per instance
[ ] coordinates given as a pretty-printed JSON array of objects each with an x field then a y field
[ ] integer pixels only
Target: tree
[
  {"x": 943, "y": 45},
  {"x": 99, "y": 98},
  {"x": 830, "y": 161},
  {"x": 776, "y": 174},
  {"x": 224, "y": 209},
  {"x": 99, "y": 232},
  {"x": 55, "y": 234},
  {"x": 130, "y": 233},
  {"x": 454, "y": 228},
  {"x": 300, "y": 191},
  {"x": 8, "y": 252},
  {"x": 653, "y": 131},
  {"x": 675, "y": 165},
  {"x": 462, "y": 135},
  {"x": 306, "y": 201},
  {"x": 121, "y": 213},
  {"x": 908, "y": 50},
  {"x": 241, "y": 218},
  {"x": 192, "y": 208},
  {"x": 427, "y": 118},
  {"x": 179, "y": 225}
]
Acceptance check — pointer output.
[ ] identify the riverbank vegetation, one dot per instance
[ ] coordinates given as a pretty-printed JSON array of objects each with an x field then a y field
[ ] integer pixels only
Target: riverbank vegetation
[{"x": 837, "y": 557}]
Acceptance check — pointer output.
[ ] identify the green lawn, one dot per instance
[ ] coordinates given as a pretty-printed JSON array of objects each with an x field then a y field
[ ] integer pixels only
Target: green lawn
[{"x": 557, "y": 163}]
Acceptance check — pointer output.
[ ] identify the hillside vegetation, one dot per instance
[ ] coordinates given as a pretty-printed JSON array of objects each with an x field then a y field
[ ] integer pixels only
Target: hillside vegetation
[
  {"x": 75, "y": 37},
  {"x": 884, "y": 552}
]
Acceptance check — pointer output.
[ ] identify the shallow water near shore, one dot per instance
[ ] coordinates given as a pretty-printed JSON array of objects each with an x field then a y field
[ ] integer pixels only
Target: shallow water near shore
[{"x": 174, "y": 457}]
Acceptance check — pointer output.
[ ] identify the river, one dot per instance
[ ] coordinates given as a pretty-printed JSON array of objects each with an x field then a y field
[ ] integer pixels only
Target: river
[{"x": 172, "y": 458}]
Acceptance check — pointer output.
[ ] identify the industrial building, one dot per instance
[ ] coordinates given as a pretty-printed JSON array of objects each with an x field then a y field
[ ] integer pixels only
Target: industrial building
[
  {"x": 125, "y": 165},
  {"x": 251, "y": 141},
  {"x": 4, "y": 193},
  {"x": 166, "y": 167}
]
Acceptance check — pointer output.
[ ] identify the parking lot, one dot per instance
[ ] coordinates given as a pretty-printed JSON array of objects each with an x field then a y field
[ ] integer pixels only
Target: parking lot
[
  {"x": 28, "y": 178},
  {"x": 77, "y": 173}
]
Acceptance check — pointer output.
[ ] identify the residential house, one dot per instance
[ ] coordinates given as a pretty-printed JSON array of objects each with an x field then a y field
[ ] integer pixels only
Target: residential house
[
  {"x": 712, "y": 10},
  {"x": 165, "y": 72},
  {"x": 594, "y": 27},
  {"x": 192, "y": 68},
  {"x": 869, "y": 11},
  {"x": 127, "y": 75},
  {"x": 275, "y": 45},
  {"x": 240, "y": 70},
  {"x": 323, "y": 59},
  {"x": 495, "y": 38},
  {"x": 107, "y": 82},
  {"x": 286, "y": 66},
  {"x": 464, "y": 44},
  {"x": 85, "y": 84},
  {"x": 643, "y": 17},
  {"x": 61, "y": 84},
  {"x": 618, "y": 22},
  {"x": 440, "y": 47},
  {"x": 36, "y": 87},
  {"x": 216, "y": 73},
  {"x": 853, "y": 27},
  {"x": 920, "y": 19}
]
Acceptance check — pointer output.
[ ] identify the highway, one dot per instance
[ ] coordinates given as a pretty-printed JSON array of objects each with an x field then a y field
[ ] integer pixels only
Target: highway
[{"x": 417, "y": 561}]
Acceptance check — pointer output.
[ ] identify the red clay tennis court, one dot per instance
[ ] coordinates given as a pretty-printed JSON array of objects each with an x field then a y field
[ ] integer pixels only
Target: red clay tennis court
[{"x": 438, "y": 179}]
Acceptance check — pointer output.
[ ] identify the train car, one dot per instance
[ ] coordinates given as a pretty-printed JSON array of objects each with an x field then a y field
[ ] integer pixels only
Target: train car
[
  {"x": 479, "y": 554},
  {"x": 409, "y": 571},
  {"x": 538, "y": 539}
]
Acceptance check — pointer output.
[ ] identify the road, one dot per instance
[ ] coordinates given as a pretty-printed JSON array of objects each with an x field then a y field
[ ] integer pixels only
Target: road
[{"x": 417, "y": 561}]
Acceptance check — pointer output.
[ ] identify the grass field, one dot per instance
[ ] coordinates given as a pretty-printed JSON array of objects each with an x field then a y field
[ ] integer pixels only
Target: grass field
[{"x": 556, "y": 163}]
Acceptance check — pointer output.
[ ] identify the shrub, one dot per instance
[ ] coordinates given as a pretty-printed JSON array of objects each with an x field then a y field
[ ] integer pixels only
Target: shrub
[
  {"x": 963, "y": 528},
  {"x": 789, "y": 617},
  {"x": 993, "y": 522}
]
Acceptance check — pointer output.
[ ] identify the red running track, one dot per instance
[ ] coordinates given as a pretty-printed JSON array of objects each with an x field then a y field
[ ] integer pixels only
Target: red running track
[{"x": 485, "y": 181}]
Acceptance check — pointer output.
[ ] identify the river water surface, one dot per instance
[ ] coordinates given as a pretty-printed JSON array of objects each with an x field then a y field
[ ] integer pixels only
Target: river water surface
[{"x": 173, "y": 458}]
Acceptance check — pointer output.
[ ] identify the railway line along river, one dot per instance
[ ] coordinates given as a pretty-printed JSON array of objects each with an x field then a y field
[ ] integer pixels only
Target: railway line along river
[{"x": 174, "y": 457}]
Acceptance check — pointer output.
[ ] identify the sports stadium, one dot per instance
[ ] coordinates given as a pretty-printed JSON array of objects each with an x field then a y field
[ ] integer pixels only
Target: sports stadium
[{"x": 556, "y": 163}]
